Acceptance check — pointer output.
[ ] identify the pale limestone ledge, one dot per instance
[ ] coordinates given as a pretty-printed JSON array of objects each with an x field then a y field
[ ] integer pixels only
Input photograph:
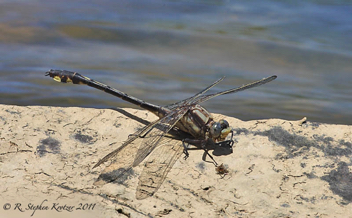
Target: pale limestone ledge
[{"x": 278, "y": 168}]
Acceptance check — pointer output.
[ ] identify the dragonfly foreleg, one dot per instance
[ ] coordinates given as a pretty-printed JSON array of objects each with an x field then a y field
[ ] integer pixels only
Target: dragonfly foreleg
[{"x": 229, "y": 143}]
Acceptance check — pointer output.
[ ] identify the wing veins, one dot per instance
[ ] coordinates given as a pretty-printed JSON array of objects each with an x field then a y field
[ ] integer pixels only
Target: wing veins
[
  {"x": 204, "y": 98},
  {"x": 187, "y": 100},
  {"x": 150, "y": 142},
  {"x": 157, "y": 167},
  {"x": 133, "y": 137}
]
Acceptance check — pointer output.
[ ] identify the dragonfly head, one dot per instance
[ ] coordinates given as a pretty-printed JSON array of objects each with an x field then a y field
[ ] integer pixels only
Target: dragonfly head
[{"x": 220, "y": 130}]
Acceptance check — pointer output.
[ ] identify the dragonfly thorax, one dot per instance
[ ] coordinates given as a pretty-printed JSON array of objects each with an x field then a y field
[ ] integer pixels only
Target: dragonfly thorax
[
  {"x": 196, "y": 121},
  {"x": 200, "y": 124}
]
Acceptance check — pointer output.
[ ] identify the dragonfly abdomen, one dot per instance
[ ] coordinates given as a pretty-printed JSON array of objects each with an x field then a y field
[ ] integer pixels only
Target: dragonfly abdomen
[{"x": 65, "y": 76}]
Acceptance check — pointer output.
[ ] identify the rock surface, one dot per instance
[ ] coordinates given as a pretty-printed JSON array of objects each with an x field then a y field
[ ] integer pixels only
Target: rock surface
[{"x": 278, "y": 168}]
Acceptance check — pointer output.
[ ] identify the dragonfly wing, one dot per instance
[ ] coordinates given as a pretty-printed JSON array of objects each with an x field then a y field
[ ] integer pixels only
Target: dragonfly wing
[
  {"x": 175, "y": 105},
  {"x": 140, "y": 144},
  {"x": 157, "y": 167},
  {"x": 122, "y": 158},
  {"x": 204, "y": 98},
  {"x": 156, "y": 134},
  {"x": 131, "y": 139}
]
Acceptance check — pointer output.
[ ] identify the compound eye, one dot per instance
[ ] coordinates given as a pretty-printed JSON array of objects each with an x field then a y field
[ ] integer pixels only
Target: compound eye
[
  {"x": 224, "y": 124},
  {"x": 215, "y": 130}
]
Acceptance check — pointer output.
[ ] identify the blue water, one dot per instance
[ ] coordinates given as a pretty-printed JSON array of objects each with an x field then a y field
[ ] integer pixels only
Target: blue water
[{"x": 164, "y": 51}]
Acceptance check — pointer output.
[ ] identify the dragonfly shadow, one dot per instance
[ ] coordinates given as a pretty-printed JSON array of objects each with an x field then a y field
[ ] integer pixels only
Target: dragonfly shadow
[
  {"x": 119, "y": 176},
  {"x": 219, "y": 149},
  {"x": 222, "y": 149},
  {"x": 131, "y": 116}
]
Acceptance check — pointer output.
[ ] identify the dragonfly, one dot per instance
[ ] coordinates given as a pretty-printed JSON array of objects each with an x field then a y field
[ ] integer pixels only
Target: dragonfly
[{"x": 154, "y": 140}]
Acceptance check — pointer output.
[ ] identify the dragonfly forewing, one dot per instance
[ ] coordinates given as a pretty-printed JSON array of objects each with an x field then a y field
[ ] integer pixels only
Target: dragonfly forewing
[
  {"x": 190, "y": 99},
  {"x": 131, "y": 139},
  {"x": 152, "y": 139},
  {"x": 203, "y": 98}
]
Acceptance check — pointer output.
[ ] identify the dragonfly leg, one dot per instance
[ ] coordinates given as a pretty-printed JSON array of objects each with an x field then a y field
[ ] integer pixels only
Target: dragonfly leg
[
  {"x": 211, "y": 157},
  {"x": 231, "y": 140},
  {"x": 202, "y": 144},
  {"x": 185, "y": 148},
  {"x": 229, "y": 143}
]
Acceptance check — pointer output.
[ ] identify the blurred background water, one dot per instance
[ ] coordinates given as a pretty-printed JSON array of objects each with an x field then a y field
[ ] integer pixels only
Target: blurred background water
[{"x": 165, "y": 51}]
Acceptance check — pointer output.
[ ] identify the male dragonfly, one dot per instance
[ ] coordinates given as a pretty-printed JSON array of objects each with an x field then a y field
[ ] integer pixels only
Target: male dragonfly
[{"x": 185, "y": 116}]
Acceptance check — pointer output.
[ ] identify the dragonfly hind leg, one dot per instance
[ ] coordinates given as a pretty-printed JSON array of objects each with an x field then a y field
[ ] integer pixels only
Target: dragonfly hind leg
[{"x": 185, "y": 148}]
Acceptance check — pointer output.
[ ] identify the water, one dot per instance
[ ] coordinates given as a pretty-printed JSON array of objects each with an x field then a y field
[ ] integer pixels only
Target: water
[{"x": 164, "y": 51}]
